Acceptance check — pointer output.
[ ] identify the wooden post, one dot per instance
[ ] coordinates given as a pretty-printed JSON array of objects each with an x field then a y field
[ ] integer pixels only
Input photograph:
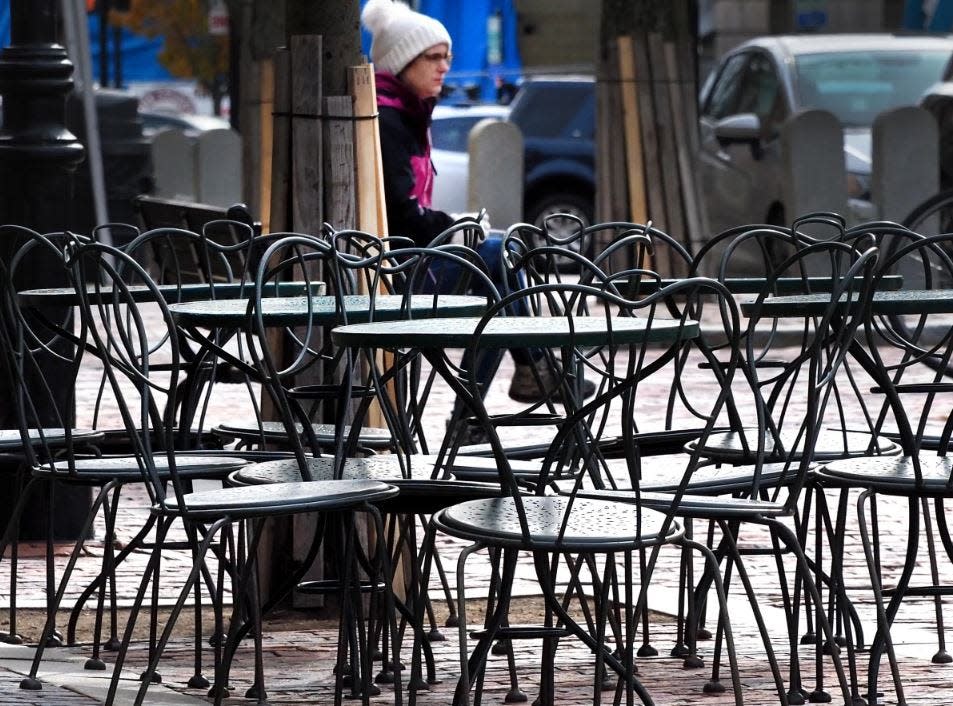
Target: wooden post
[
  {"x": 371, "y": 208},
  {"x": 279, "y": 215},
  {"x": 685, "y": 156},
  {"x": 667, "y": 162},
  {"x": 632, "y": 130},
  {"x": 339, "y": 174},
  {"x": 266, "y": 119},
  {"x": 307, "y": 176},
  {"x": 642, "y": 78}
]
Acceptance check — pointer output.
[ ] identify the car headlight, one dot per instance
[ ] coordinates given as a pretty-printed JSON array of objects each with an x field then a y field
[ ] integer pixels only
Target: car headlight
[{"x": 858, "y": 186}]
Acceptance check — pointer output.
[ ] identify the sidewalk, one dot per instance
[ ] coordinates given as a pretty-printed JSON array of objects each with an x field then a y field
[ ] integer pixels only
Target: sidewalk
[{"x": 299, "y": 660}]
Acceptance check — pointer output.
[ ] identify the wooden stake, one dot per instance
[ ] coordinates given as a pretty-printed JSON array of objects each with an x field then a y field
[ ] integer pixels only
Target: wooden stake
[
  {"x": 650, "y": 146},
  {"x": 307, "y": 184},
  {"x": 668, "y": 150},
  {"x": 683, "y": 144},
  {"x": 266, "y": 108},
  {"x": 279, "y": 213},
  {"x": 632, "y": 130},
  {"x": 371, "y": 208},
  {"x": 339, "y": 161}
]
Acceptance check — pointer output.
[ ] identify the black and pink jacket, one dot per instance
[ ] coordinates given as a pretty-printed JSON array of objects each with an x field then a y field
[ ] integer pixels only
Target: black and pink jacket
[{"x": 405, "y": 151}]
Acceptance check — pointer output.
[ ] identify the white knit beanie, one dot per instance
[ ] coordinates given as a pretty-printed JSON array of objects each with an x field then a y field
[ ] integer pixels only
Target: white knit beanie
[{"x": 399, "y": 34}]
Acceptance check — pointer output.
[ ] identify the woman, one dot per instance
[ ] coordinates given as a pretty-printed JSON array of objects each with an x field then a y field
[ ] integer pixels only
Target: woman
[{"x": 411, "y": 55}]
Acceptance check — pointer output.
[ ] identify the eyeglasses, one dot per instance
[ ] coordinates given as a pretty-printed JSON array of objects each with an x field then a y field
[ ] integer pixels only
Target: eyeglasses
[{"x": 436, "y": 57}]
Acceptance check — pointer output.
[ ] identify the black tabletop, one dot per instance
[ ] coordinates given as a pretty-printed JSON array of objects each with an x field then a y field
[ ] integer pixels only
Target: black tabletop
[{"x": 511, "y": 331}]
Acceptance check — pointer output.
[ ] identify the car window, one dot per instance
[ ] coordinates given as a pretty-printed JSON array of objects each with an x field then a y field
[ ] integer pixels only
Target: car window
[
  {"x": 583, "y": 124},
  {"x": 760, "y": 92},
  {"x": 452, "y": 134},
  {"x": 724, "y": 96},
  {"x": 856, "y": 86},
  {"x": 554, "y": 110}
]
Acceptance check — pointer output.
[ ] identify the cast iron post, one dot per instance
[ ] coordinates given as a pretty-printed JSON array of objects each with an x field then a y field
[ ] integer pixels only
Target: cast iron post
[{"x": 38, "y": 157}]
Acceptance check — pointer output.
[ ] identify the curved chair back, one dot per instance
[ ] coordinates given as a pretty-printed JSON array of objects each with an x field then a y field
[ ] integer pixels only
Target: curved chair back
[
  {"x": 625, "y": 341},
  {"x": 914, "y": 351},
  {"x": 805, "y": 380},
  {"x": 141, "y": 358},
  {"x": 426, "y": 277},
  {"x": 43, "y": 349}
]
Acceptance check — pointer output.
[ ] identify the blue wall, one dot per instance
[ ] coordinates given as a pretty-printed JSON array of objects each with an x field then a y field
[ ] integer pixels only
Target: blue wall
[
  {"x": 139, "y": 55},
  {"x": 466, "y": 20}
]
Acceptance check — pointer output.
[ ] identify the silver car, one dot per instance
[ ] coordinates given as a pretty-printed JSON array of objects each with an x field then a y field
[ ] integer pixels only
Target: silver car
[{"x": 761, "y": 83}]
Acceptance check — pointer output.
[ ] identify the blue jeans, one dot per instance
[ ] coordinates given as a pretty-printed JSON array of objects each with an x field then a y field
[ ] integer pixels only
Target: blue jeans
[{"x": 447, "y": 274}]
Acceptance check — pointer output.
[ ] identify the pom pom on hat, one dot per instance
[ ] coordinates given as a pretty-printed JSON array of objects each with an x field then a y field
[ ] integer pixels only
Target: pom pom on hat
[{"x": 399, "y": 34}]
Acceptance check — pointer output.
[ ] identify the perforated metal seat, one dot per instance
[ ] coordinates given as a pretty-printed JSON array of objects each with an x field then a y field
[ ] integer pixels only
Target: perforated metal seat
[
  {"x": 282, "y": 498},
  {"x": 128, "y": 469},
  {"x": 739, "y": 447},
  {"x": 895, "y": 475},
  {"x": 593, "y": 523},
  {"x": 275, "y": 432}
]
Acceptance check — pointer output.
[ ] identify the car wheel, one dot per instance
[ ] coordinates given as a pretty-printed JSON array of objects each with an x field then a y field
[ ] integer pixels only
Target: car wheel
[
  {"x": 553, "y": 204},
  {"x": 578, "y": 212}
]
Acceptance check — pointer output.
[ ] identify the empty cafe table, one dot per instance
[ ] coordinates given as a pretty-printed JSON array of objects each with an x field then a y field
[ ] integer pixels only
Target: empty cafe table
[
  {"x": 171, "y": 292},
  {"x": 323, "y": 310}
]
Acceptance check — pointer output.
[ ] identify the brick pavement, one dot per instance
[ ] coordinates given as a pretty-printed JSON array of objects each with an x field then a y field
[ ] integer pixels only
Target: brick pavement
[{"x": 299, "y": 661}]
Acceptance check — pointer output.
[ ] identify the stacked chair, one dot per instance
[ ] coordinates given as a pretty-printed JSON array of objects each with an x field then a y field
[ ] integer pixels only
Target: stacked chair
[
  {"x": 765, "y": 452},
  {"x": 800, "y": 419}
]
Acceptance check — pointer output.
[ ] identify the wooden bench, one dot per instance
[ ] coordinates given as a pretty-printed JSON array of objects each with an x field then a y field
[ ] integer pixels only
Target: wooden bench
[{"x": 178, "y": 261}]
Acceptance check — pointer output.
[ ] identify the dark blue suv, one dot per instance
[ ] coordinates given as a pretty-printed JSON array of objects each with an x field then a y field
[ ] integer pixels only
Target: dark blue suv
[{"x": 557, "y": 117}]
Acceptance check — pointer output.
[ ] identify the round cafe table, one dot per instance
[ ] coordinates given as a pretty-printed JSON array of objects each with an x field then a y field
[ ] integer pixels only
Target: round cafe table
[
  {"x": 171, "y": 292},
  {"x": 510, "y": 332},
  {"x": 323, "y": 310}
]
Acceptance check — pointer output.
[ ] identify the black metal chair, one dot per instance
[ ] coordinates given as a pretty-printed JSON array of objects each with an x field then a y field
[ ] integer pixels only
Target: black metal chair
[
  {"x": 800, "y": 421},
  {"x": 40, "y": 366},
  {"x": 43, "y": 340},
  {"x": 570, "y": 239},
  {"x": 161, "y": 248},
  {"x": 908, "y": 352},
  {"x": 119, "y": 335},
  {"x": 395, "y": 386},
  {"x": 563, "y": 528}
]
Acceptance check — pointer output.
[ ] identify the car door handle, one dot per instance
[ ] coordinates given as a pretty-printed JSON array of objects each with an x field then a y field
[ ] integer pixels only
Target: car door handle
[{"x": 723, "y": 156}]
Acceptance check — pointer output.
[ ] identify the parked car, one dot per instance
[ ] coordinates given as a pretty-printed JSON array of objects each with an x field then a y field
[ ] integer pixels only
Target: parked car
[
  {"x": 938, "y": 101},
  {"x": 189, "y": 123},
  {"x": 450, "y": 132},
  {"x": 761, "y": 83},
  {"x": 556, "y": 116}
]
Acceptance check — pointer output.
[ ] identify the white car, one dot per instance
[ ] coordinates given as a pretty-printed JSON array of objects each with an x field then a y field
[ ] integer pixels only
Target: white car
[
  {"x": 191, "y": 124},
  {"x": 450, "y": 132}
]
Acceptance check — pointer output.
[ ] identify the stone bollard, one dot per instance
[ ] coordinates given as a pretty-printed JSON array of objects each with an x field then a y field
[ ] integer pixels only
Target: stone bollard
[
  {"x": 496, "y": 171},
  {"x": 812, "y": 152},
  {"x": 906, "y": 166}
]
